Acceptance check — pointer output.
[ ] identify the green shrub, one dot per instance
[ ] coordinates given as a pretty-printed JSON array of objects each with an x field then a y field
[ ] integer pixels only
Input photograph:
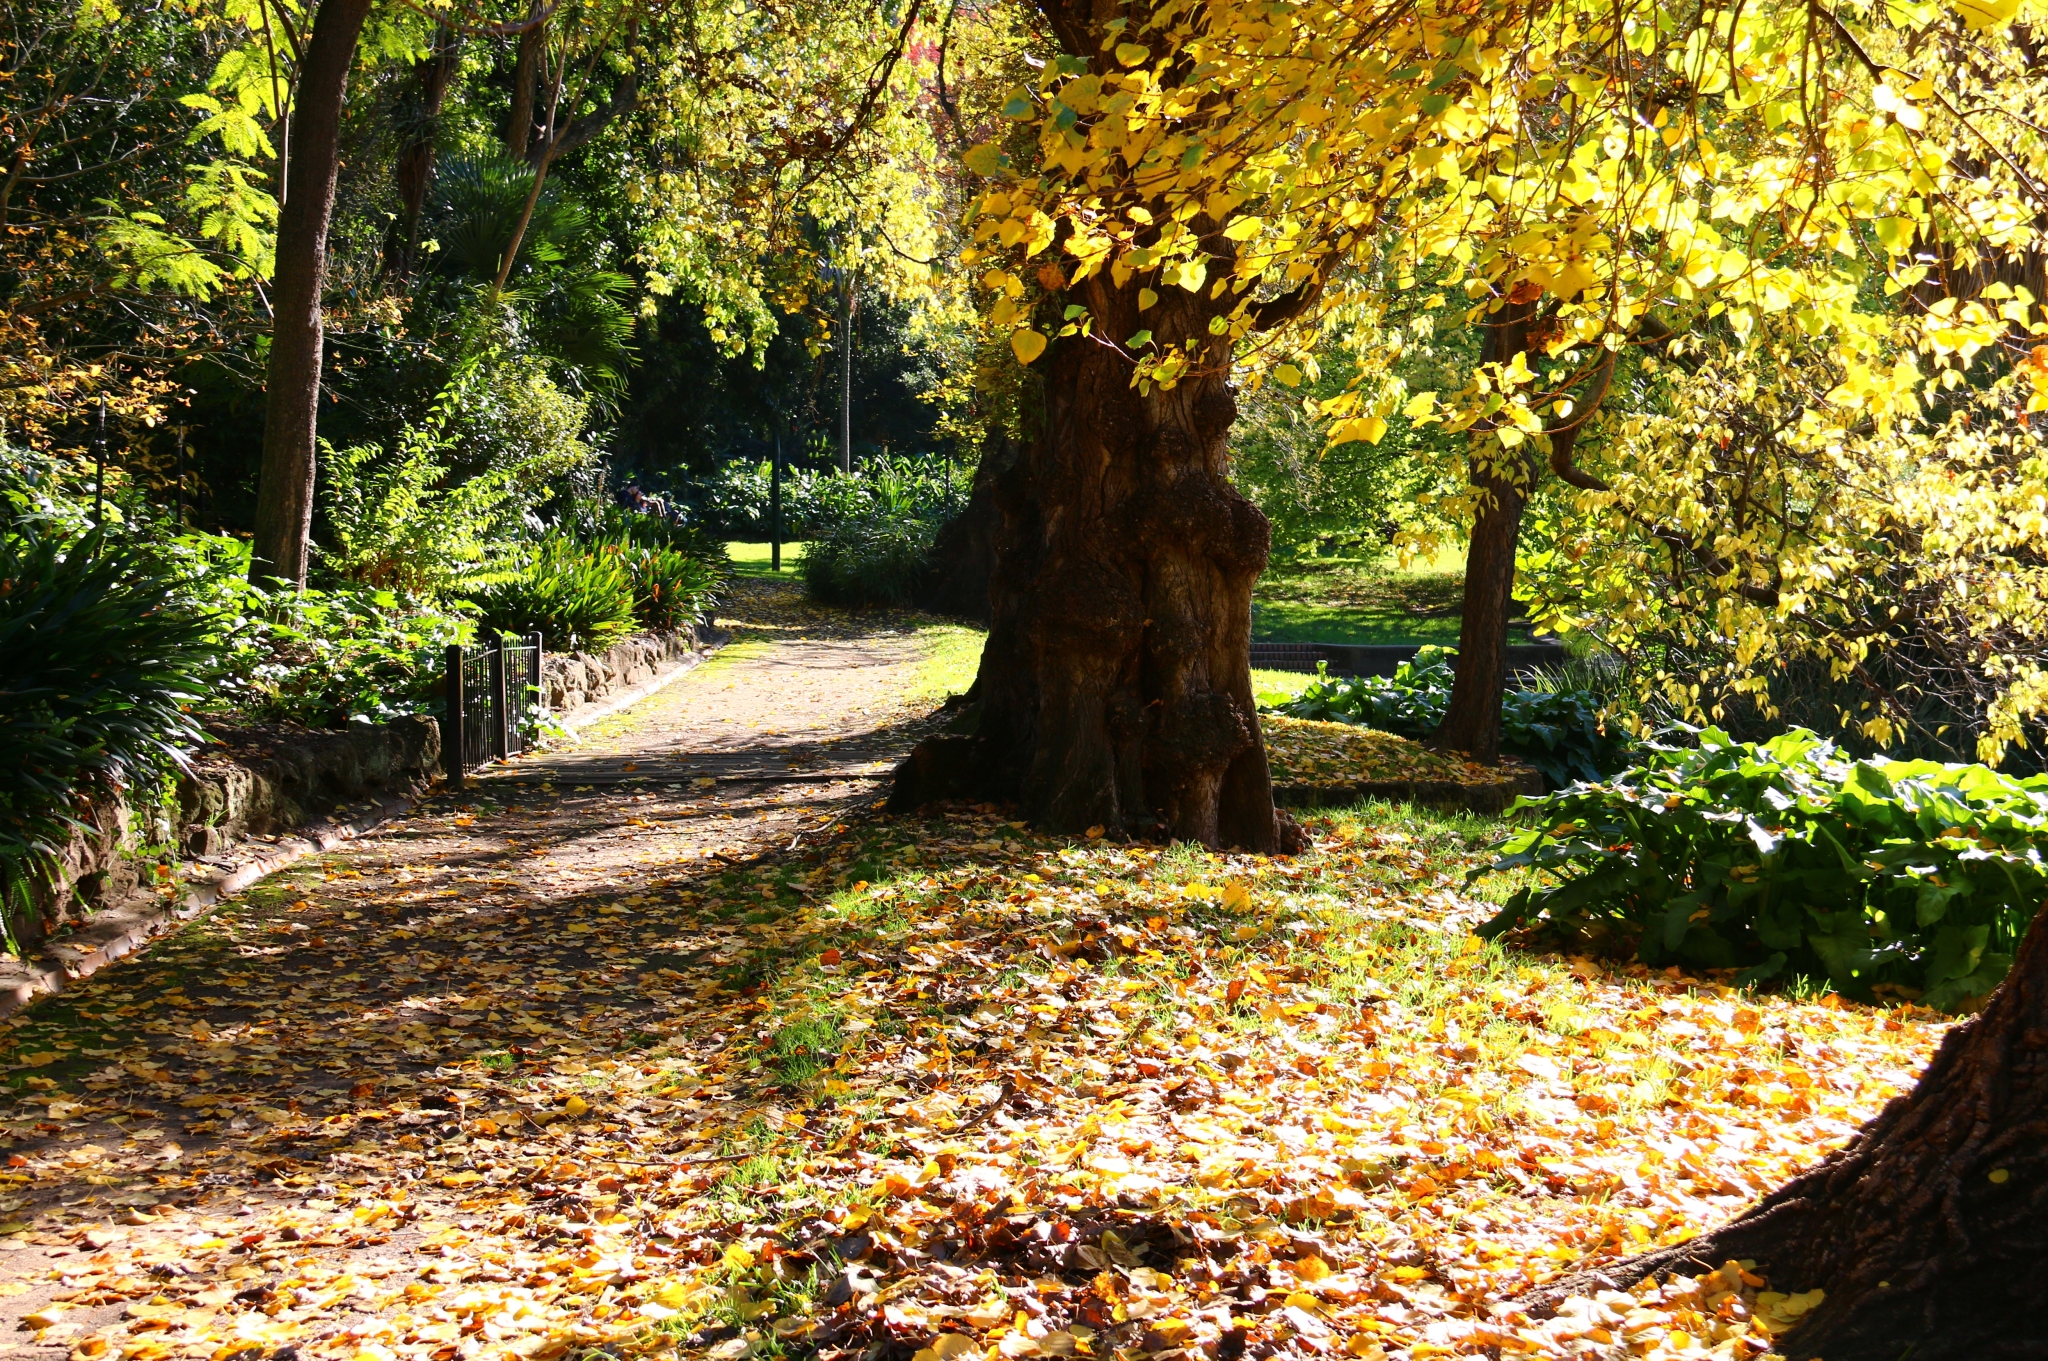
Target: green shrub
[
  {"x": 407, "y": 520},
  {"x": 100, "y": 663},
  {"x": 1556, "y": 728},
  {"x": 325, "y": 658},
  {"x": 671, "y": 589},
  {"x": 737, "y": 501},
  {"x": 1789, "y": 858},
  {"x": 576, "y": 598},
  {"x": 873, "y": 559}
]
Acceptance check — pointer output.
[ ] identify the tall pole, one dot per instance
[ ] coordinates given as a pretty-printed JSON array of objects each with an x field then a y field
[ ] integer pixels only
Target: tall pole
[
  {"x": 775, "y": 506},
  {"x": 846, "y": 376},
  {"x": 99, "y": 471}
]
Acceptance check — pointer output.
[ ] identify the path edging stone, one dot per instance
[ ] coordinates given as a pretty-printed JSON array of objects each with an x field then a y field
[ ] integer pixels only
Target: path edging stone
[
  {"x": 714, "y": 639},
  {"x": 125, "y": 927}
]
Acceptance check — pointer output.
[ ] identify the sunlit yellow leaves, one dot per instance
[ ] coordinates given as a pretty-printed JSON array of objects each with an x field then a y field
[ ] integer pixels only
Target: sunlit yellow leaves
[
  {"x": 1978, "y": 15},
  {"x": 1287, "y": 375},
  {"x": 1027, "y": 344},
  {"x": 1037, "y": 233},
  {"x": 1366, "y": 429},
  {"x": 1131, "y": 54}
]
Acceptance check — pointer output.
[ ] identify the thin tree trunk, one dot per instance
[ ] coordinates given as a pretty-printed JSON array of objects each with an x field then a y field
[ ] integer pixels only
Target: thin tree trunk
[
  {"x": 1115, "y": 688},
  {"x": 846, "y": 312},
  {"x": 1929, "y": 1232},
  {"x": 543, "y": 158},
  {"x": 1472, "y": 718},
  {"x": 284, "y": 492},
  {"x": 525, "y": 87},
  {"x": 419, "y": 116}
]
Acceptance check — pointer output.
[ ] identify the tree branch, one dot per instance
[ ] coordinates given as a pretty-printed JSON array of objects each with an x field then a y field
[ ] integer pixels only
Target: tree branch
[
  {"x": 580, "y": 131},
  {"x": 1565, "y": 435},
  {"x": 1279, "y": 311}
]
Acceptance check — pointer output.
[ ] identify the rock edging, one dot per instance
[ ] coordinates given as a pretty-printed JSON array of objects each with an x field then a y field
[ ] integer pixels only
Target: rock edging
[{"x": 224, "y": 802}]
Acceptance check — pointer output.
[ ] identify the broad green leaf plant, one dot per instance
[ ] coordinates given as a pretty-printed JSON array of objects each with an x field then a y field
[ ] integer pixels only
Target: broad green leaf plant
[{"x": 1901, "y": 879}]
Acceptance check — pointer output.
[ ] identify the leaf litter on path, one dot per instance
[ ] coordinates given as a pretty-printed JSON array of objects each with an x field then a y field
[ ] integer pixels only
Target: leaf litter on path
[{"x": 915, "y": 1089}]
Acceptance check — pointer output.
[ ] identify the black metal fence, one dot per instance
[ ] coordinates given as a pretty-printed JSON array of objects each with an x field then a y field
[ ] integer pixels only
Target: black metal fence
[{"x": 493, "y": 704}]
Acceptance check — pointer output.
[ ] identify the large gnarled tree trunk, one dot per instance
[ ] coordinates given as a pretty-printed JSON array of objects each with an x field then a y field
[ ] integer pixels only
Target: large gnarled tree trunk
[
  {"x": 1115, "y": 690},
  {"x": 1929, "y": 1232},
  {"x": 284, "y": 493}
]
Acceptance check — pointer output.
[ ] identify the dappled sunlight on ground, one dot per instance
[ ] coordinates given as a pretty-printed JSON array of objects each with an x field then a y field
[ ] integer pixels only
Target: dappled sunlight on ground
[{"x": 604, "y": 1060}]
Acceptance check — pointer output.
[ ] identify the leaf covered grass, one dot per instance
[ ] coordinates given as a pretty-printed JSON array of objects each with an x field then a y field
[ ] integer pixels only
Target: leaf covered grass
[
  {"x": 952, "y": 657},
  {"x": 914, "y": 1081},
  {"x": 1307, "y": 752}
]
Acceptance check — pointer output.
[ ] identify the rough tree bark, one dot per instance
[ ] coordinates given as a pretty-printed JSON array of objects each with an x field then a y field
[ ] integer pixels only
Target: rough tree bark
[
  {"x": 519, "y": 123},
  {"x": 284, "y": 490},
  {"x": 419, "y": 116},
  {"x": 1472, "y": 718},
  {"x": 1115, "y": 689},
  {"x": 1929, "y": 1232}
]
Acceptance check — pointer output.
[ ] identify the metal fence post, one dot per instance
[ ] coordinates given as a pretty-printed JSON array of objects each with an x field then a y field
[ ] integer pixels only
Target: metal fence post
[
  {"x": 500, "y": 726},
  {"x": 540, "y": 699},
  {"x": 452, "y": 725}
]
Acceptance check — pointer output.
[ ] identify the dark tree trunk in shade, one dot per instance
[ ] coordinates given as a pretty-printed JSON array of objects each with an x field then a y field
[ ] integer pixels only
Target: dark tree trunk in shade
[
  {"x": 284, "y": 493},
  {"x": 956, "y": 579},
  {"x": 526, "y": 73},
  {"x": 1472, "y": 718},
  {"x": 419, "y": 118},
  {"x": 1928, "y": 1233},
  {"x": 1115, "y": 688}
]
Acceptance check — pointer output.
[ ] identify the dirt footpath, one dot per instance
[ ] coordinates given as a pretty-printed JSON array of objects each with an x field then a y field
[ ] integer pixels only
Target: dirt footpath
[{"x": 275, "y": 1133}]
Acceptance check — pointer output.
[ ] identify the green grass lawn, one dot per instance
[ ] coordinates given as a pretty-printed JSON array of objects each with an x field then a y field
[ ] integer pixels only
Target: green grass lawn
[
  {"x": 1277, "y": 687},
  {"x": 952, "y": 658},
  {"x": 1361, "y": 600},
  {"x": 751, "y": 559}
]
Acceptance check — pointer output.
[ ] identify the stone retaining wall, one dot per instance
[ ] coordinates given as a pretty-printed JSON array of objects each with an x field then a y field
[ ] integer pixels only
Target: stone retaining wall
[
  {"x": 267, "y": 782},
  {"x": 572, "y": 680},
  {"x": 257, "y": 784}
]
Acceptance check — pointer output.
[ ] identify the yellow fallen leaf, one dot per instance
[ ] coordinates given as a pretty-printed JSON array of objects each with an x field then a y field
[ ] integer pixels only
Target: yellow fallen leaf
[
  {"x": 575, "y": 1105},
  {"x": 946, "y": 1346}
]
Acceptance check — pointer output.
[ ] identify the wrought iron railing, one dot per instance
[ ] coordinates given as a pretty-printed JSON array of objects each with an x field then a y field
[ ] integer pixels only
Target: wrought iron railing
[{"x": 493, "y": 703}]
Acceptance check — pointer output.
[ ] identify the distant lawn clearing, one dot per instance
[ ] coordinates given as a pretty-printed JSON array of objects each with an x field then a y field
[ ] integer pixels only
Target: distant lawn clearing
[
  {"x": 1362, "y": 600},
  {"x": 751, "y": 559}
]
